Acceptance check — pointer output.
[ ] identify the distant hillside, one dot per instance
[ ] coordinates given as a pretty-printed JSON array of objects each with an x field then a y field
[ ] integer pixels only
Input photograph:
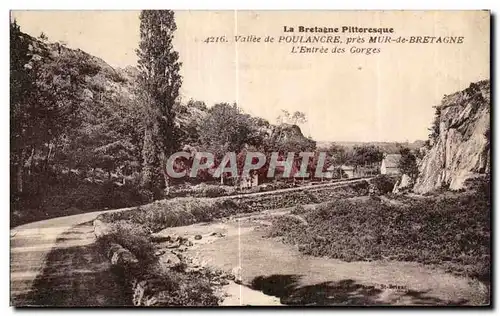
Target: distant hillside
[
  {"x": 103, "y": 101},
  {"x": 386, "y": 147}
]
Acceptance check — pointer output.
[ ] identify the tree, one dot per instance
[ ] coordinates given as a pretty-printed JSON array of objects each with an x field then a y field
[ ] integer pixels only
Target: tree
[
  {"x": 109, "y": 137},
  {"x": 408, "y": 163},
  {"x": 189, "y": 119},
  {"x": 45, "y": 93},
  {"x": 159, "y": 80},
  {"x": 21, "y": 83},
  {"x": 298, "y": 118},
  {"x": 43, "y": 37},
  {"x": 366, "y": 155},
  {"x": 434, "y": 129},
  {"x": 225, "y": 129},
  {"x": 337, "y": 156},
  {"x": 287, "y": 118}
]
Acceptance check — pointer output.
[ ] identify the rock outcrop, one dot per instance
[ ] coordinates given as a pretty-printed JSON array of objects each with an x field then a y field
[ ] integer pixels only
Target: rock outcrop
[
  {"x": 404, "y": 184},
  {"x": 461, "y": 148}
]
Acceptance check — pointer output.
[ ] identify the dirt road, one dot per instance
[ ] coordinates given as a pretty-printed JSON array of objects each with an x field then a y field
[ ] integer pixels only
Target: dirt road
[{"x": 55, "y": 263}]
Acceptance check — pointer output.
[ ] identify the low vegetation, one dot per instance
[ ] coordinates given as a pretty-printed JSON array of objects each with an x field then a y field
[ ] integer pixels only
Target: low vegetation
[
  {"x": 451, "y": 230},
  {"x": 133, "y": 237},
  {"x": 383, "y": 184},
  {"x": 159, "y": 215},
  {"x": 185, "y": 289}
]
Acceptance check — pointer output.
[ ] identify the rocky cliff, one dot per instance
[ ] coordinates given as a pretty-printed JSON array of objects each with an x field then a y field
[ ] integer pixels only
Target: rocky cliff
[{"x": 461, "y": 146}]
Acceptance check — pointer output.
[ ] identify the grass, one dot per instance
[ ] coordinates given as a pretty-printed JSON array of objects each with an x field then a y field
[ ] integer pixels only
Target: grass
[
  {"x": 133, "y": 237},
  {"x": 451, "y": 230},
  {"x": 177, "y": 212},
  {"x": 188, "y": 210},
  {"x": 383, "y": 184}
]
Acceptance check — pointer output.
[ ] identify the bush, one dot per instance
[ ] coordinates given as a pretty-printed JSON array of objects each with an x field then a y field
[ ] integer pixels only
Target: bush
[
  {"x": 177, "y": 212},
  {"x": 182, "y": 289},
  {"x": 214, "y": 191},
  {"x": 161, "y": 287},
  {"x": 285, "y": 225},
  {"x": 480, "y": 184},
  {"x": 298, "y": 210},
  {"x": 383, "y": 184},
  {"x": 133, "y": 237},
  {"x": 69, "y": 196}
]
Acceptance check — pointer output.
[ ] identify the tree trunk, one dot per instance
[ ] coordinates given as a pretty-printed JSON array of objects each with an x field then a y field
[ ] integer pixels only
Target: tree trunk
[
  {"x": 48, "y": 156},
  {"x": 20, "y": 172},
  {"x": 163, "y": 167},
  {"x": 148, "y": 154},
  {"x": 167, "y": 183},
  {"x": 166, "y": 180},
  {"x": 221, "y": 179},
  {"x": 30, "y": 159}
]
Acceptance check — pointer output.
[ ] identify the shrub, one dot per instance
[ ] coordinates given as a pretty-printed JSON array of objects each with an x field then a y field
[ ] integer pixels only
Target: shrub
[
  {"x": 180, "y": 289},
  {"x": 298, "y": 210},
  {"x": 177, "y": 212},
  {"x": 310, "y": 196},
  {"x": 383, "y": 184},
  {"x": 481, "y": 185},
  {"x": 185, "y": 211},
  {"x": 214, "y": 191},
  {"x": 285, "y": 225},
  {"x": 67, "y": 197},
  {"x": 146, "y": 196},
  {"x": 133, "y": 237}
]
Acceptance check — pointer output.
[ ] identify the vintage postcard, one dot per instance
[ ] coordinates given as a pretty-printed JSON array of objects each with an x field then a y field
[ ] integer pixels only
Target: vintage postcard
[{"x": 250, "y": 158}]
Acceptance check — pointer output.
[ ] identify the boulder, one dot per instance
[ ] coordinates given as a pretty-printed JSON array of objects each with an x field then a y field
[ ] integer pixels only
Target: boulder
[
  {"x": 169, "y": 260},
  {"x": 217, "y": 234},
  {"x": 100, "y": 228},
  {"x": 159, "y": 252},
  {"x": 404, "y": 184},
  {"x": 160, "y": 238},
  {"x": 171, "y": 245},
  {"x": 236, "y": 272},
  {"x": 121, "y": 256}
]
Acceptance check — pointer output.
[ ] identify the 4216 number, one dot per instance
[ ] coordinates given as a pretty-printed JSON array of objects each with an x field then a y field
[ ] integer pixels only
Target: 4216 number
[{"x": 216, "y": 39}]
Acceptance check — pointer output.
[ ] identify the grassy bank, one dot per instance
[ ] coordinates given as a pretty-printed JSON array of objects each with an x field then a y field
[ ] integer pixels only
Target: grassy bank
[
  {"x": 451, "y": 230},
  {"x": 188, "y": 210}
]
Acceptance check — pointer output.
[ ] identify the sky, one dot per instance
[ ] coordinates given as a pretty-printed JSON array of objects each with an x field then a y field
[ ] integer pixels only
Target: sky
[{"x": 346, "y": 97}]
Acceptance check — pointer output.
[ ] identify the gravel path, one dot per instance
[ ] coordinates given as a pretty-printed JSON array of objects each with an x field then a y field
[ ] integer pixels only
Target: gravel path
[{"x": 55, "y": 263}]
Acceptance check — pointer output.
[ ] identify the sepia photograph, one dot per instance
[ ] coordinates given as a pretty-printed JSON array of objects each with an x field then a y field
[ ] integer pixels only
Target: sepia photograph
[{"x": 278, "y": 158}]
